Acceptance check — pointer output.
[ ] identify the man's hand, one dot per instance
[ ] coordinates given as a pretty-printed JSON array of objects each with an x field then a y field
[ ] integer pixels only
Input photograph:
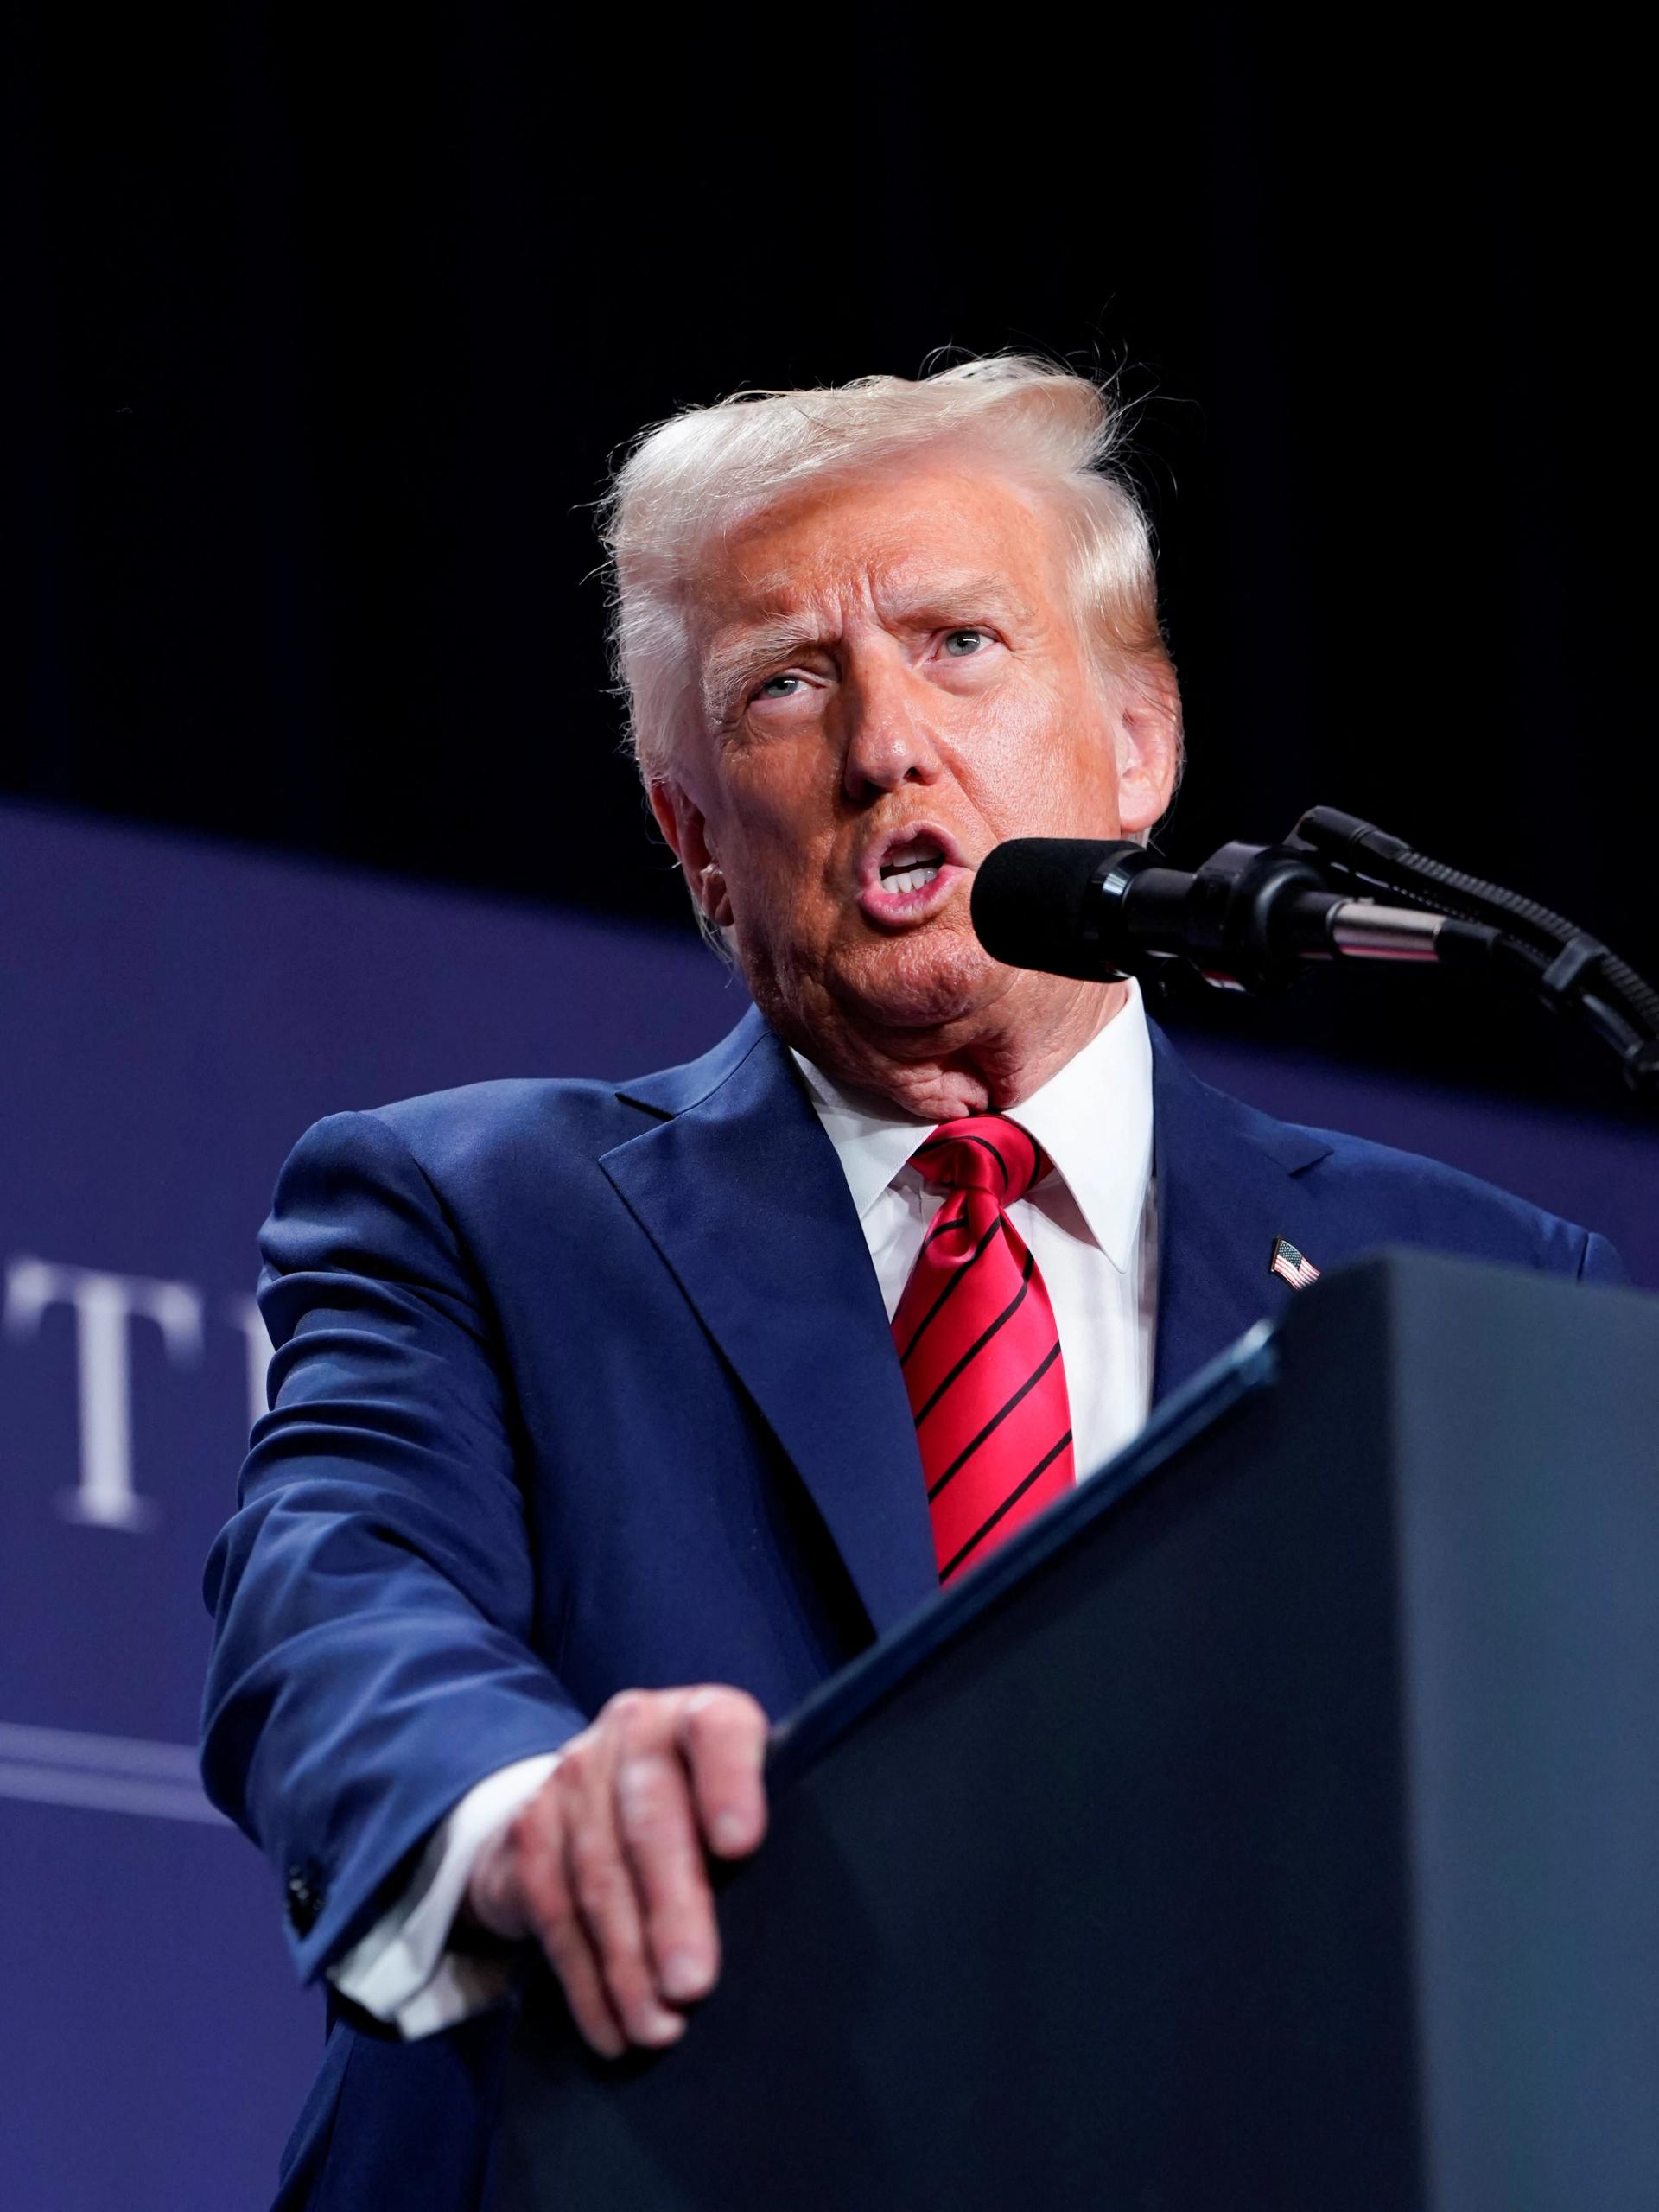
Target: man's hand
[{"x": 605, "y": 1864}]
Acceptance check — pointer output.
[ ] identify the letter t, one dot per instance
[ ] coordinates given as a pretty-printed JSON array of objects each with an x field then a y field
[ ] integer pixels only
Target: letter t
[{"x": 105, "y": 1305}]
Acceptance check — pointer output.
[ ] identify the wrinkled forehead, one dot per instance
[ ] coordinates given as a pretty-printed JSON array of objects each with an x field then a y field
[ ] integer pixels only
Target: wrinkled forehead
[{"x": 890, "y": 541}]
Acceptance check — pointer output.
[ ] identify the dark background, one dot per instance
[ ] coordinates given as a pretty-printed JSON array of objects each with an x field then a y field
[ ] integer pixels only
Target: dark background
[
  {"x": 321, "y": 331},
  {"x": 318, "y": 332}
]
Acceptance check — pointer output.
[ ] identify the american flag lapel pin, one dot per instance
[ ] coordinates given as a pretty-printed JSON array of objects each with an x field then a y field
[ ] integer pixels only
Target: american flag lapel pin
[{"x": 1290, "y": 1267}]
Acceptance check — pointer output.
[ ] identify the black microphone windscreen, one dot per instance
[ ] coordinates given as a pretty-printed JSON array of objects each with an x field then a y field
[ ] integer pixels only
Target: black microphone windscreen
[{"x": 1036, "y": 904}]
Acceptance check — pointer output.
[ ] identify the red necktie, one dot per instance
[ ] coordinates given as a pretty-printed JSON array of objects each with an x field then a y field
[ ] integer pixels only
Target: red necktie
[{"x": 980, "y": 1351}]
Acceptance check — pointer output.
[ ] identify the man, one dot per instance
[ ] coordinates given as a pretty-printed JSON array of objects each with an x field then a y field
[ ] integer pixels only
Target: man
[{"x": 606, "y": 1420}]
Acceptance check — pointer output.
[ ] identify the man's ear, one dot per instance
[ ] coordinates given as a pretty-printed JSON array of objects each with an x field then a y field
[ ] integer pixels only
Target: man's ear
[
  {"x": 1149, "y": 745},
  {"x": 682, "y": 823}
]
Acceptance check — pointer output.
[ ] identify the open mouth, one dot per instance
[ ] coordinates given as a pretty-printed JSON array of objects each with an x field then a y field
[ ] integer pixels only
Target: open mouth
[
  {"x": 912, "y": 867},
  {"x": 910, "y": 875}
]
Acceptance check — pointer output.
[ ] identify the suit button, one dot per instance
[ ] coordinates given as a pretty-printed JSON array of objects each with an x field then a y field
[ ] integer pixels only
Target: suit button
[{"x": 304, "y": 1901}]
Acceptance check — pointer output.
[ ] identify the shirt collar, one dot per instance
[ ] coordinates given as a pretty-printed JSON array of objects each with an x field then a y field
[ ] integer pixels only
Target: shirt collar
[{"x": 1093, "y": 1119}]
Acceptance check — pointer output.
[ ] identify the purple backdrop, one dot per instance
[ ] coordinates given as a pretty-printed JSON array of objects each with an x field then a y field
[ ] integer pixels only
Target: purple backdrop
[{"x": 172, "y": 1015}]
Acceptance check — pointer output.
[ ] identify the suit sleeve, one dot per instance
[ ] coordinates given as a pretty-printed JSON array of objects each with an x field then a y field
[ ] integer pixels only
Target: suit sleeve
[
  {"x": 373, "y": 1596},
  {"x": 405, "y": 1970},
  {"x": 1600, "y": 1261}
]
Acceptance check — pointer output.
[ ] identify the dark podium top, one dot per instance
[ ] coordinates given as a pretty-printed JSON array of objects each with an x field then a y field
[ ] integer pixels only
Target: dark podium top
[{"x": 1275, "y": 1824}]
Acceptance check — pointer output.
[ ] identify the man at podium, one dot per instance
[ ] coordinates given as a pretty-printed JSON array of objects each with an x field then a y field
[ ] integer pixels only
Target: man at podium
[{"x": 608, "y": 1419}]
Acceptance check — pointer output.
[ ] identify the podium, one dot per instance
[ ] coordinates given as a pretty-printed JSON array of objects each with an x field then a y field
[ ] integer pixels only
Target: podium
[{"x": 1273, "y": 1824}]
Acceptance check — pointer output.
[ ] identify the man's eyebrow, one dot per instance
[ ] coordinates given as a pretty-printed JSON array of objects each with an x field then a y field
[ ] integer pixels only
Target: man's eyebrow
[{"x": 735, "y": 653}]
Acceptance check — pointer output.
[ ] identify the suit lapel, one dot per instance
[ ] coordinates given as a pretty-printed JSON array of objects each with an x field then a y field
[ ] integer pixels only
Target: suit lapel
[
  {"x": 1228, "y": 1184},
  {"x": 741, "y": 1193}
]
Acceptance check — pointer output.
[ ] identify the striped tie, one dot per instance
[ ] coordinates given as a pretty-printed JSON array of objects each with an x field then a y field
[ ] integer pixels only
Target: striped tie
[{"x": 979, "y": 1348}]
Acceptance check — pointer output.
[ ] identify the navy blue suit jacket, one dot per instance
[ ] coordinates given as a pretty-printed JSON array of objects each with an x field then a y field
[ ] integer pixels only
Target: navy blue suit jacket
[{"x": 579, "y": 1386}]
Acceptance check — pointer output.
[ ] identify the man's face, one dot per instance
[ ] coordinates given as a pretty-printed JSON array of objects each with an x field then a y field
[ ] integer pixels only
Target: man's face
[{"x": 893, "y": 682}]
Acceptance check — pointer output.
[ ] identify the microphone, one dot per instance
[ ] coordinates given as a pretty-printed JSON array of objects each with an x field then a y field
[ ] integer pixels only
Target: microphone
[
  {"x": 1248, "y": 920},
  {"x": 1253, "y": 916}
]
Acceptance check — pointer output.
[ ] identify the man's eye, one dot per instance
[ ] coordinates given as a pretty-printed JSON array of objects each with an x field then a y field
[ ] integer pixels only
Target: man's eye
[
  {"x": 769, "y": 689},
  {"x": 959, "y": 643}
]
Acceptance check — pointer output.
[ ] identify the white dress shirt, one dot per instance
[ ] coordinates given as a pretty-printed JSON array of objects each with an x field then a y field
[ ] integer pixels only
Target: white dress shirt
[{"x": 1089, "y": 1225}]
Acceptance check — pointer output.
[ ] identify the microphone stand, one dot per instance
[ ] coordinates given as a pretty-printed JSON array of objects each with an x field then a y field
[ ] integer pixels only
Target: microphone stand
[
  {"x": 1253, "y": 914},
  {"x": 1568, "y": 971}
]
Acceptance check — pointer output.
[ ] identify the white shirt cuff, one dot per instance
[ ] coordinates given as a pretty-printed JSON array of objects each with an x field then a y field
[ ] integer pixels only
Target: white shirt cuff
[{"x": 403, "y": 1970}]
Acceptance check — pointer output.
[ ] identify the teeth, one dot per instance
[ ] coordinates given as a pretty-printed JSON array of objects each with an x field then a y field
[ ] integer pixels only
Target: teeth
[{"x": 911, "y": 879}]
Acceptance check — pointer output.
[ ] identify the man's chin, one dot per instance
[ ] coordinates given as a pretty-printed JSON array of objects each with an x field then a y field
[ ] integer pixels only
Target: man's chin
[{"x": 933, "y": 980}]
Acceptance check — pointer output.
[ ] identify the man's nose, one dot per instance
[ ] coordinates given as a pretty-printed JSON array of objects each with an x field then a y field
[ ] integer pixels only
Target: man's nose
[{"x": 890, "y": 735}]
